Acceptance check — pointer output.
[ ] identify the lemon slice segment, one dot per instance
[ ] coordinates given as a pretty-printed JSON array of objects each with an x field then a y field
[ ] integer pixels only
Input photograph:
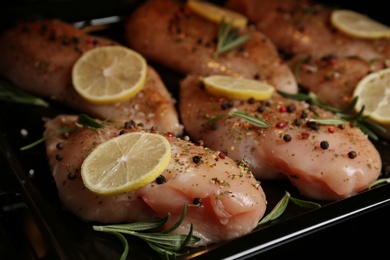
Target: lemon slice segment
[
  {"x": 109, "y": 74},
  {"x": 125, "y": 163},
  {"x": 358, "y": 25},
  {"x": 237, "y": 88},
  {"x": 217, "y": 13},
  {"x": 373, "y": 91}
]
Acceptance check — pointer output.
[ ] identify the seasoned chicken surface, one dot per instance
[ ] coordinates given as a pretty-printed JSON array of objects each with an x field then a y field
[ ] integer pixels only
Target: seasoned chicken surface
[
  {"x": 326, "y": 60},
  {"x": 324, "y": 161},
  {"x": 38, "y": 57},
  {"x": 185, "y": 42},
  {"x": 225, "y": 200}
]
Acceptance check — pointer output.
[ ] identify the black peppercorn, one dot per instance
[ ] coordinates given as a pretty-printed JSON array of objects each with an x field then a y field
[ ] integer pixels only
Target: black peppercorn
[
  {"x": 324, "y": 145},
  {"x": 197, "y": 201},
  {"x": 161, "y": 179},
  {"x": 196, "y": 159},
  {"x": 60, "y": 146},
  {"x": 287, "y": 138},
  {"x": 352, "y": 154}
]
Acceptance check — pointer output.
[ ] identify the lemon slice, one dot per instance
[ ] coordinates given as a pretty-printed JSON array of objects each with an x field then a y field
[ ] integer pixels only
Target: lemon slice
[
  {"x": 358, "y": 25},
  {"x": 373, "y": 91},
  {"x": 110, "y": 74},
  {"x": 217, "y": 13},
  {"x": 238, "y": 88},
  {"x": 125, "y": 163}
]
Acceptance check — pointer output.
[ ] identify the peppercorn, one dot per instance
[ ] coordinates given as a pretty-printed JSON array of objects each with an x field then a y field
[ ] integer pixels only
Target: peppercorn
[
  {"x": 71, "y": 176},
  {"x": 59, "y": 157},
  {"x": 197, "y": 201},
  {"x": 227, "y": 105},
  {"x": 161, "y": 179},
  {"x": 313, "y": 125},
  {"x": 282, "y": 109},
  {"x": 352, "y": 154},
  {"x": 297, "y": 122},
  {"x": 197, "y": 159},
  {"x": 304, "y": 115},
  {"x": 287, "y": 138},
  {"x": 261, "y": 109},
  {"x": 281, "y": 124},
  {"x": 60, "y": 146},
  {"x": 251, "y": 100},
  {"x": 130, "y": 124},
  {"x": 291, "y": 108},
  {"x": 122, "y": 132},
  {"x": 324, "y": 145}
]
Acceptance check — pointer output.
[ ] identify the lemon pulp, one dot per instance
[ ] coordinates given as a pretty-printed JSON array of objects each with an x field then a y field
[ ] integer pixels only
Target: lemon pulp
[
  {"x": 125, "y": 163},
  {"x": 109, "y": 74}
]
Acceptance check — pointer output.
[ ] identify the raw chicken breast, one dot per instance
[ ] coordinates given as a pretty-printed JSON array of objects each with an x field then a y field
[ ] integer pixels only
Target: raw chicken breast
[
  {"x": 330, "y": 62},
  {"x": 225, "y": 200},
  {"x": 325, "y": 162},
  {"x": 38, "y": 57},
  {"x": 168, "y": 33}
]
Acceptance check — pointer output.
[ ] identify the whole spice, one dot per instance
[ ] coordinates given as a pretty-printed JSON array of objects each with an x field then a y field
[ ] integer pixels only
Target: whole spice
[{"x": 324, "y": 145}]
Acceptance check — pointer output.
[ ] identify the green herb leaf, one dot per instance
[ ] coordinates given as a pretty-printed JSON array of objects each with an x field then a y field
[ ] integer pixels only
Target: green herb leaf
[
  {"x": 305, "y": 203},
  {"x": 379, "y": 181},
  {"x": 367, "y": 126},
  {"x": 87, "y": 122},
  {"x": 228, "y": 38},
  {"x": 242, "y": 115},
  {"x": 328, "y": 121},
  {"x": 167, "y": 245},
  {"x": 278, "y": 210},
  {"x": 295, "y": 96},
  {"x": 281, "y": 206},
  {"x": 29, "y": 146},
  {"x": 250, "y": 119},
  {"x": 9, "y": 93}
]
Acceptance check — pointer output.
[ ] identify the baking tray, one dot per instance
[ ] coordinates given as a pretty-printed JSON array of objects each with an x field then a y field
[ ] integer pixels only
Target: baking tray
[{"x": 70, "y": 238}]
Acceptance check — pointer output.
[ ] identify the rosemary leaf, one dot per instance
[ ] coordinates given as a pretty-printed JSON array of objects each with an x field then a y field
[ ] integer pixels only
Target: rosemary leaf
[
  {"x": 295, "y": 96},
  {"x": 124, "y": 243},
  {"x": 242, "y": 115},
  {"x": 278, "y": 210},
  {"x": 359, "y": 120},
  {"x": 9, "y": 93},
  {"x": 177, "y": 224},
  {"x": 162, "y": 243},
  {"x": 328, "y": 121},
  {"x": 215, "y": 119},
  {"x": 379, "y": 181},
  {"x": 250, "y": 119},
  {"x": 228, "y": 38},
  {"x": 26, "y": 147},
  {"x": 281, "y": 206},
  {"x": 137, "y": 226},
  {"x": 305, "y": 203},
  {"x": 88, "y": 122}
]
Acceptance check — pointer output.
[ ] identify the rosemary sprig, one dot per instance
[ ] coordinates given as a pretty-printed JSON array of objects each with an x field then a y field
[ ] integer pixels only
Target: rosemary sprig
[
  {"x": 368, "y": 127},
  {"x": 83, "y": 121},
  {"x": 9, "y": 93},
  {"x": 281, "y": 206},
  {"x": 166, "y": 245},
  {"x": 379, "y": 181},
  {"x": 228, "y": 38},
  {"x": 242, "y": 115}
]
